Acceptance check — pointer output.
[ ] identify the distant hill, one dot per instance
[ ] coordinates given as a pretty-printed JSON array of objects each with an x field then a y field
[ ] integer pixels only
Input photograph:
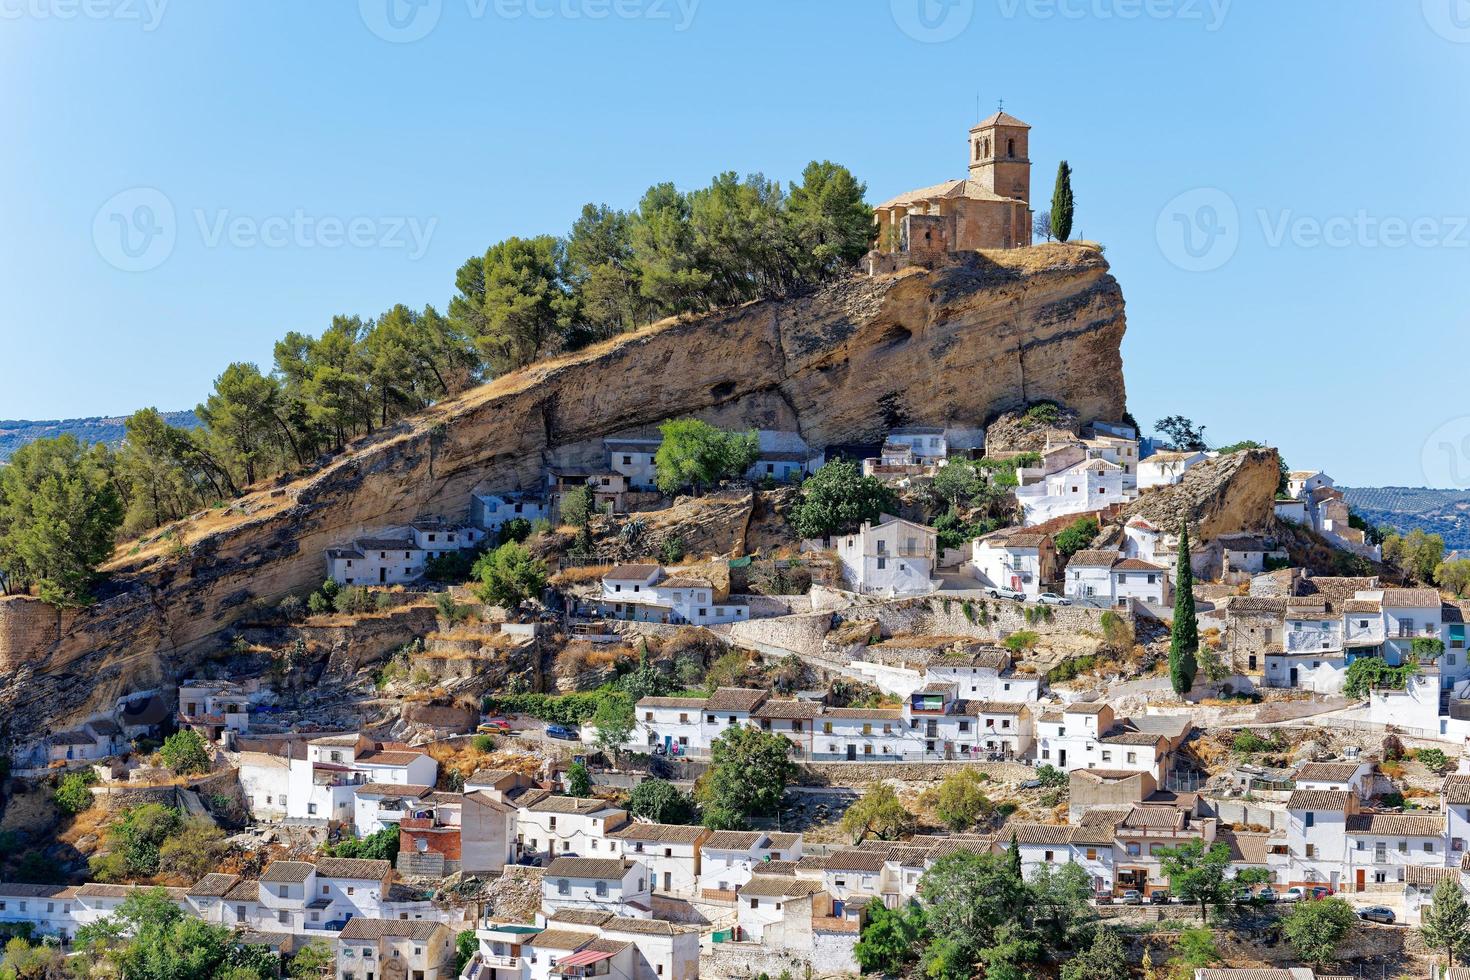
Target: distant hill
[
  {"x": 16, "y": 433},
  {"x": 1442, "y": 512}
]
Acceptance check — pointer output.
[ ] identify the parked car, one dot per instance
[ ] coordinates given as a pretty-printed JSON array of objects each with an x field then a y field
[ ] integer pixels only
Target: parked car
[
  {"x": 1132, "y": 897},
  {"x": 1159, "y": 896},
  {"x": 493, "y": 726},
  {"x": 1103, "y": 898},
  {"x": 1242, "y": 896},
  {"x": 1294, "y": 894},
  {"x": 1267, "y": 894},
  {"x": 562, "y": 731},
  {"x": 1377, "y": 913},
  {"x": 1000, "y": 592},
  {"x": 1052, "y": 599},
  {"x": 1321, "y": 891}
]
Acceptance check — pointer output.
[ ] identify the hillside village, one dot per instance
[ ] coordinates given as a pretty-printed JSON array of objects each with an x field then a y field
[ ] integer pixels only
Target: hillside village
[{"x": 717, "y": 696}]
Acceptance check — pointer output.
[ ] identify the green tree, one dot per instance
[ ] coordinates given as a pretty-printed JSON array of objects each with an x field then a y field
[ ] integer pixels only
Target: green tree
[
  {"x": 960, "y": 800},
  {"x": 1013, "y": 858},
  {"x": 185, "y": 752},
  {"x": 1058, "y": 910},
  {"x": 509, "y": 576},
  {"x": 696, "y": 454},
  {"x": 1184, "y": 633},
  {"x": 1062, "y": 204},
  {"x": 1416, "y": 554},
  {"x": 1316, "y": 929},
  {"x": 579, "y": 780},
  {"x": 245, "y": 418},
  {"x": 614, "y": 721},
  {"x": 958, "y": 483},
  {"x": 466, "y": 945},
  {"x": 1076, "y": 536},
  {"x": 1181, "y": 434},
  {"x": 1433, "y": 759},
  {"x": 879, "y": 812},
  {"x": 312, "y": 961},
  {"x": 1195, "y": 949},
  {"x": 513, "y": 301},
  {"x": 1198, "y": 874},
  {"x": 660, "y": 801},
  {"x": 891, "y": 938},
  {"x": 379, "y": 846},
  {"x": 72, "y": 795},
  {"x": 838, "y": 499},
  {"x": 59, "y": 510},
  {"x": 603, "y": 275},
  {"x": 1103, "y": 960},
  {"x": 831, "y": 224},
  {"x": 664, "y": 251},
  {"x": 1446, "y": 923},
  {"x": 1453, "y": 576},
  {"x": 968, "y": 899},
  {"x": 748, "y": 773}
]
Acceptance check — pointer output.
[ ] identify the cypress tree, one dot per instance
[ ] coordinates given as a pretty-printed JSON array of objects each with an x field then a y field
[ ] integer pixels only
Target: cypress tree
[
  {"x": 1062, "y": 204},
  {"x": 1013, "y": 858},
  {"x": 1184, "y": 636}
]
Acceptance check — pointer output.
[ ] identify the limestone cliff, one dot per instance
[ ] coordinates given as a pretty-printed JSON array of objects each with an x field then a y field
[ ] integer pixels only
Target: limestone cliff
[
  {"x": 1226, "y": 495},
  {"x": 956, "y": 345}
]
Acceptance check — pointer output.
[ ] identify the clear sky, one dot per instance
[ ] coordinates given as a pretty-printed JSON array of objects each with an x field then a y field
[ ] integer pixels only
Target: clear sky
[{"x": 183, "y": 182}]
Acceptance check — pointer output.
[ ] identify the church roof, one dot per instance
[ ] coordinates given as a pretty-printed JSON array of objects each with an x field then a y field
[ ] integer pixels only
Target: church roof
[
  {"x": 970, "y": 189},
  {"x": 1000, "y": 119}
]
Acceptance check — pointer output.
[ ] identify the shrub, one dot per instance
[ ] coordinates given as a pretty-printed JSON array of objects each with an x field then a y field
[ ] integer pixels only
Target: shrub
[
  {"x": 1249, "y": 743},
  {"x": 1021, "y": 640},
  {"x": 1434, "y": 759},
  {"x": 1051, "y": 776},
  {"x": 483, "y": 742},
  {"x": 72, "y": 795},
  {"x": 672, "y": 550},
  {"x": 291, "y": 608},
  {"x": 381, "y": 846},
  {"x": 185, "y": 752}
]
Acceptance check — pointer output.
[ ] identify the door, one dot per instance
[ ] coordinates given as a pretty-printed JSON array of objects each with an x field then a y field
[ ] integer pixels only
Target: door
[
  {"x": 1293, "y": 677},
  {"x": 852, "y": 753},
  {"x": 382, "y": 576},
  {"x": 668, "y": 881},
  {"x": 1062, "y": 759},
  {"x": 1361, "y": 879}
]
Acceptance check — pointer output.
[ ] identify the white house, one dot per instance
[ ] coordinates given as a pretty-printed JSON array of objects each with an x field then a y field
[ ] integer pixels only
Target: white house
[
  {"x": 1316, "y": 835},
  {"x": 1014, "y": 559},
  {"x": 376, "y": 561},
  {"x": 730, "y": 857},
  {"x": 784, "y": 457},
  {"x": 1088, "y": 486},
  {"x": 670, "y": 852},
  {"x": 556, "y": 825},
  {"x": 643, "y": 593},
  {"x": 633, "y": 458},
  {"x": 416, "y": 950},
  {"x": 1108, "y": 578},
  {"x": 1086, "y": 736},
  {"x": 380, "y": 805},
  {"x": 895, "y": 557},
  {"x": 492, "y": 511},
  {"x": 927, "y": 443},
  {"x": 1166, "y": 468},
  {"x": 319, "y": 782},
  {"x": 616, "y": 885}
]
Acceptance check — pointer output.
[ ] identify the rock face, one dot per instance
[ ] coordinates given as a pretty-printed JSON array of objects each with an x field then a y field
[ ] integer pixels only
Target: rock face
[
  {"x": 957, "y": 345},
  {"x": 1224, "y": 495}
]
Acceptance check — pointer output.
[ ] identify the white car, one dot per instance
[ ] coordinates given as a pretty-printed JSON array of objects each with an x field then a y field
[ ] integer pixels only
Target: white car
[
  {"x": 1001, "y": 592},
  {"x": 1294, "y": 894},
  {"x": 1052, "y": 599}
]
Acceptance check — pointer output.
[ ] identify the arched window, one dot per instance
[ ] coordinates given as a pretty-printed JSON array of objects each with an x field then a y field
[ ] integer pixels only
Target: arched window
[
  {"x": 977, "y": 149},
  {"x": 1010, "y": 148},
  {"x": 987, "y": 146}
]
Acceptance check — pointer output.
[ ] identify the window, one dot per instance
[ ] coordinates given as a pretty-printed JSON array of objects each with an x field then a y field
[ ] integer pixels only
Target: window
[
  {"x": 1092, "y": 854},
  {"x": 563, "y": 887},
  {"x": 1132, "y": 756},
  {"x": 601, "y": 889},
  {"x": 882, "y": 564},
  {"x": 1429, "y": 847},
  {"x": 1310, "y": 819}
]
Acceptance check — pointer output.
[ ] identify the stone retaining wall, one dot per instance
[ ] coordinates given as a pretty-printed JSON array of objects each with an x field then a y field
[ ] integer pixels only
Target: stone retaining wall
[
  {"x": 862, "y": 773},
  {"x": 831, "y": 956}
]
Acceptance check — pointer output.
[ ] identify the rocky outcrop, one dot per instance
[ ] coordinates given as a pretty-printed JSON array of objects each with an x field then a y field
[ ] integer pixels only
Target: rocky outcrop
[
  {"x": 957, "y": 345},
  {"x": 1229, "y": 494}
]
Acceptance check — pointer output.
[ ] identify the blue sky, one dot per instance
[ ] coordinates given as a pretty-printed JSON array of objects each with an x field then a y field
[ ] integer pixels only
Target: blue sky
[{"x": 319, "y": 157}]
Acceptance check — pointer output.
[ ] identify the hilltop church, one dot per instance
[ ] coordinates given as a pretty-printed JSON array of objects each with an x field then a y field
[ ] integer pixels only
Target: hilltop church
[{"x": 989, "y": 209}]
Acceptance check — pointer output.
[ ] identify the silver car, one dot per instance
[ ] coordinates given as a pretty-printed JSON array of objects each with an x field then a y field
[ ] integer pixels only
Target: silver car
[{"x": 1052, "y": 599}]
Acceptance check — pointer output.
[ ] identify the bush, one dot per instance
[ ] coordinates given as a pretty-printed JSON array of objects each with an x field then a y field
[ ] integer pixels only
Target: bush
[
  {"x": 483, "y": 742},
  {"x": 1249, "y": 743},
  {"x": 1021, "y": 640},
  {"x": 1434, "y": 759},
  {"x": 381, "y": 846},
  {"x": 1050, "y": 776},
  {"x": 559, "y": 709},
  {"x": 672, "y": 550},
  {"x": 185, "y": 752},
  {"x": 509, "y": 576},
  {"x": 72, "y": 795},
  {"x": 291, "y": 608}
]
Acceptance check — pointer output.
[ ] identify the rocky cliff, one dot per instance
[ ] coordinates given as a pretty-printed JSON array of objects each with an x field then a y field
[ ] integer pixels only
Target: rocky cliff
[{"x": 957, "y": 345}]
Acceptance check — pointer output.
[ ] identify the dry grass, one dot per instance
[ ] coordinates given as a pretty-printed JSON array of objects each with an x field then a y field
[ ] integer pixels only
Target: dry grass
[{"x": 585, "y": 575}]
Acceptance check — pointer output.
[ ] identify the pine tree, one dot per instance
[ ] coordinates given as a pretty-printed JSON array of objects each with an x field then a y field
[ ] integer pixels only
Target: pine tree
[
  {"x": 1446, "y": 923},
  {"x": 1184, "y": 636},
  {"x": 1013, "y": 857},
  {"x": 1062, "y": 204}
]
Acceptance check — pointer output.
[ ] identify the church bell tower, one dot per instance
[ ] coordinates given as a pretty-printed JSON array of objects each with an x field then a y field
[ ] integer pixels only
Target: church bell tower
[{"x": 999, "y": 156}]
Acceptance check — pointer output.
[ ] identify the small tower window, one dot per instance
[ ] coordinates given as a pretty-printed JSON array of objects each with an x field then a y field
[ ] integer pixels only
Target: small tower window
[
  {"x": 1011, "y": 148},
  {"x": 987, "y": 146}
]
